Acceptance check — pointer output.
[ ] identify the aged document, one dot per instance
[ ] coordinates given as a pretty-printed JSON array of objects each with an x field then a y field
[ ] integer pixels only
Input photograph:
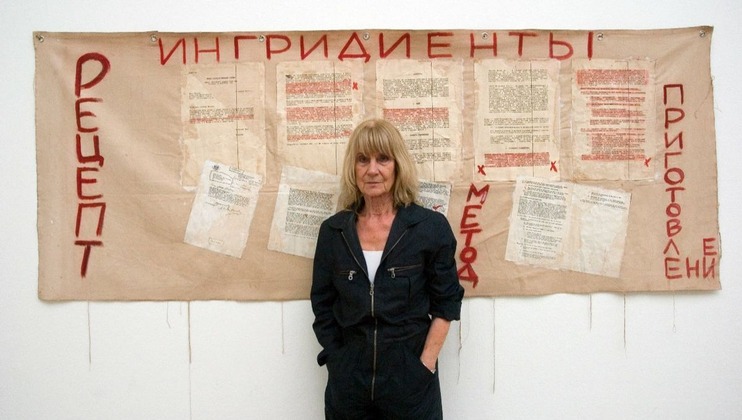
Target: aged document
[
  {"x": 424, "y": 100},
  {"x": 318, "y": 105},
  {"x": 613, "y": 118},
  {"x": 222, "y": 109},
  {"x": 561, "y": 225},
  {"x": 516, "y": 130},
  {"x": 223, "y": 209},
  {"x": 305, "y": 199},
  {"x": 435, "y": 196}
]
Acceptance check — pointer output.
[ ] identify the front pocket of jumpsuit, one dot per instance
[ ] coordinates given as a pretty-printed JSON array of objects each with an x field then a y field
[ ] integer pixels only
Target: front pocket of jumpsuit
[
  {"x": 418, "y": 376},
  {"x": 404, "y": 270},
  {"x": 340, "y": 364},
  {"x": 336, "y": 358},
  {"x": 353, "y": 301},
  {"x": 400, "y": 286},
  {"x": 345, "y": 378}
]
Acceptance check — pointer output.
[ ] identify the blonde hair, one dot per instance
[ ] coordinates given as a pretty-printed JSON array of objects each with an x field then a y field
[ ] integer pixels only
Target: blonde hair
[{"x": 378, "y": 136}]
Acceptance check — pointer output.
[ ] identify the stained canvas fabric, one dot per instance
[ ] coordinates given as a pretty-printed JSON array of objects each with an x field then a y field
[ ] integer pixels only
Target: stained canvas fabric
[{"x": 125, "y": 123}]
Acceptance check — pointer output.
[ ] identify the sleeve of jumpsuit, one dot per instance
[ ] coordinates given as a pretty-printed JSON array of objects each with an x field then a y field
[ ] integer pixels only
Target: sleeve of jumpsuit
[
  {"x": 446, "y": 293},
  {"x": 323, "y": 297}
]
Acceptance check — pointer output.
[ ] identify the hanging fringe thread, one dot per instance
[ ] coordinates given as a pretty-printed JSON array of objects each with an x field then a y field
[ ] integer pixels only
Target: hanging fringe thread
[
  {"x": 190, "y": 361},
  {"x": 590, "y": 312},
  {"x": 674, "y": 327},
  {"x": 624, "y": 322},
  {"x": 283, "y": 332},
  {"x": 494, "y": 347},
  {"x": 90, "y": 342}
]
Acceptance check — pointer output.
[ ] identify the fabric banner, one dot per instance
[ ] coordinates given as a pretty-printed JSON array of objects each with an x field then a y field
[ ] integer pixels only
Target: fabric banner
[{"x": 198, "y": 166}]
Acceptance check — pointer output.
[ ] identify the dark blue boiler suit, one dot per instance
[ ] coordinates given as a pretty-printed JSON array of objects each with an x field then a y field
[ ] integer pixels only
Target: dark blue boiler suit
[{"x": 373, "y": 334}]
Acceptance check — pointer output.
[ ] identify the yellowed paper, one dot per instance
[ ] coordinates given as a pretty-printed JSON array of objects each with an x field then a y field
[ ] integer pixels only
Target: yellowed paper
[
  {"x": 223, "y": 209},
  {"x": 567, "y": 226},
  {"x": 305, "y": 199},
  {"x": 435, "y": 196},
  {"x": 319, "y": 104},
  {"x": 599, "y": 222},
  {"x": 517, "y": 120},
  {"x": 613, "y": 117},
  {"x": 223, "y": 117},
  {"x": 424, "y": 100}
]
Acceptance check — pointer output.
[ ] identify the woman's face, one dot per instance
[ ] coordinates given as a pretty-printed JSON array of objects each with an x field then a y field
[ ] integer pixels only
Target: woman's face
[{"x": 374, "y": 174}]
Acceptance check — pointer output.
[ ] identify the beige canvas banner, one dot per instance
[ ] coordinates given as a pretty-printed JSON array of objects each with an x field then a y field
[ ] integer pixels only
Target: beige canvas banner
[{"x": 195, "y": 166}]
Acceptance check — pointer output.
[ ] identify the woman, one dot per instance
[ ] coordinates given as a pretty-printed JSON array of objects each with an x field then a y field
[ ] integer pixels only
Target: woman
[{"x": 384, "y": 288}]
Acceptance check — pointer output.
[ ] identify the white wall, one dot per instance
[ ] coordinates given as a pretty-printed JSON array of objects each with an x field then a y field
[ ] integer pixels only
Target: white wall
[{"x": 561, "y": 356}]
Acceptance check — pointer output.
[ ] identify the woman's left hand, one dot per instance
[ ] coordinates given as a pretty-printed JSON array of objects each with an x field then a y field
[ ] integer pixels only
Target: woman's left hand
[{"x": 428, "y": 364}]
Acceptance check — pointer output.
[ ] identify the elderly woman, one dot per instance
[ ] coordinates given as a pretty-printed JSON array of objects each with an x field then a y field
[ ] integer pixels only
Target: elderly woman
[{"x": 385, "y": 286}]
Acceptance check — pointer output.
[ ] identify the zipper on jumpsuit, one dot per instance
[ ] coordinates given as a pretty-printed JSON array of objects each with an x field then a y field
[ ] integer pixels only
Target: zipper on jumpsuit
[{"x": 373, "y": 309}]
